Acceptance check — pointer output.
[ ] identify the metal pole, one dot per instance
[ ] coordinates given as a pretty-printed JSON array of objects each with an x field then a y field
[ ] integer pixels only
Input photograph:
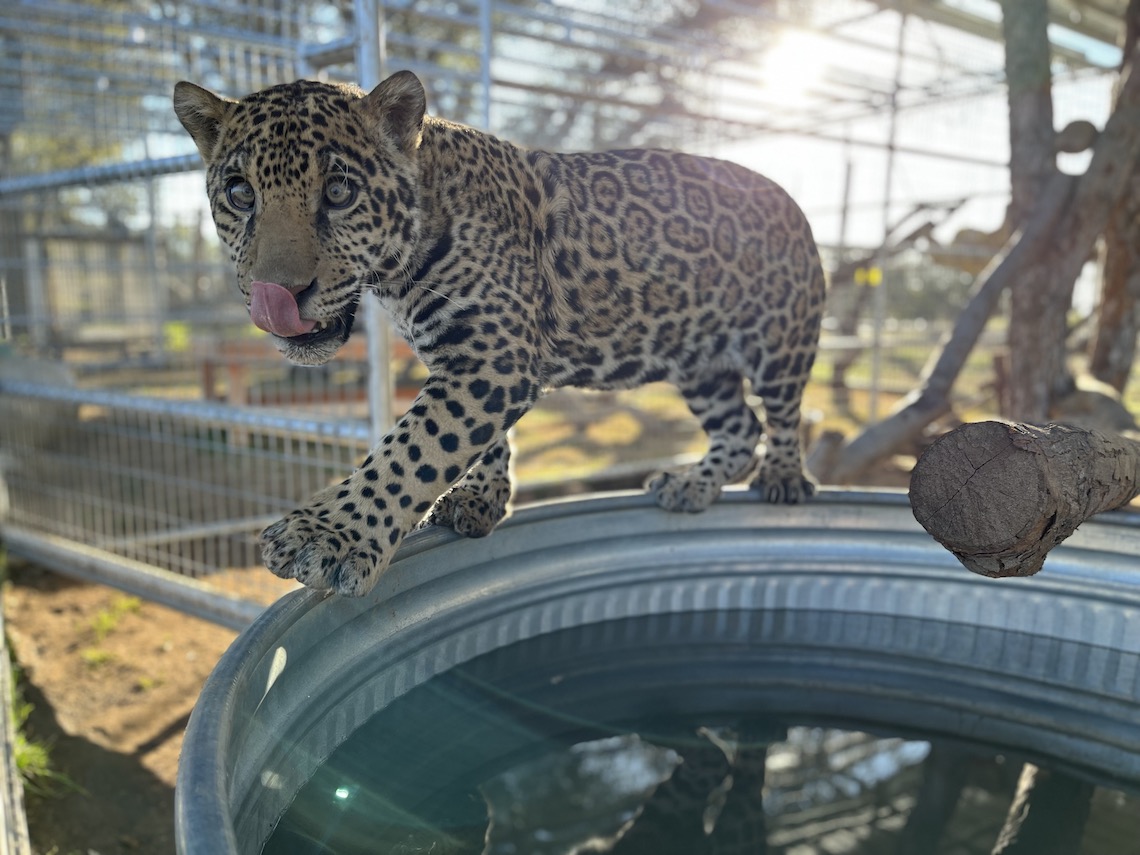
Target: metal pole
[
  {"x": 158, "y": 284},
  {"x": 194, "y": 412},
  {"x": 370, "y": 69},
  {"x": 487, "y": 46},
  {"x": 5, "y": 313},
  {"x": 845, "y": 207},
  {"x": 879, "y": 297},
  {"x": 90, "y": 564},
  {"x": 91, "y": 176},
  {"x": 37, "y": 297}
]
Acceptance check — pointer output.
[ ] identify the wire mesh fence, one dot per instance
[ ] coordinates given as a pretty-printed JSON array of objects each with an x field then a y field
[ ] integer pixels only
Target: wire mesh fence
[{"x": 144, "y": 419}]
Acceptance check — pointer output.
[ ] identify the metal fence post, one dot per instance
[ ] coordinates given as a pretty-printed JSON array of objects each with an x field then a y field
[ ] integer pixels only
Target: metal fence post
[
  {"x": 370, "y": 62},
  {"x": 486, "y": 47}
]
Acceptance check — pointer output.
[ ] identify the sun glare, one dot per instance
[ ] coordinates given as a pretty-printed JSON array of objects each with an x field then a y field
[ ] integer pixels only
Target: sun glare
[{"x": 793, "y": 65}]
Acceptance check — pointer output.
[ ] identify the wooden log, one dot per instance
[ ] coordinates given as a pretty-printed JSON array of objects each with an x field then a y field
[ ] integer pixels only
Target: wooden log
[{"x": 1000, "y": 496}]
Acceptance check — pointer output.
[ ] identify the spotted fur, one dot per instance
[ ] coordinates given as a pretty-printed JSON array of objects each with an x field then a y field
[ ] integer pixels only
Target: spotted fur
[{"x": 510, "y": 272}]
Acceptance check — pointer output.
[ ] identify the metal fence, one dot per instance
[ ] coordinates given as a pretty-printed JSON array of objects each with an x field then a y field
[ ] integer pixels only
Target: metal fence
[{"x": 147, "y": 433}]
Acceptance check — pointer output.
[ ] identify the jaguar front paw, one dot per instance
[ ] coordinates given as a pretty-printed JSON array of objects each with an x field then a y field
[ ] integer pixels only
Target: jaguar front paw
[{"x": 326, "y": 550}]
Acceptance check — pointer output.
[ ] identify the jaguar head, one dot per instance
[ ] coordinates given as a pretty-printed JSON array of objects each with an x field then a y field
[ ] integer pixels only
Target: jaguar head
[{"x": 313, "y": 187}]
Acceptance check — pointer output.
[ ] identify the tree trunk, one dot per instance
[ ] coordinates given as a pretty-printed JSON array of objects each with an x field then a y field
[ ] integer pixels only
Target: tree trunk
[
  {"x": 1041, "y": 296},
  {"x": 1032, "y": 160},
  {"x": 1000, "y": 496},
  {"x": 1114, "y": 343}
]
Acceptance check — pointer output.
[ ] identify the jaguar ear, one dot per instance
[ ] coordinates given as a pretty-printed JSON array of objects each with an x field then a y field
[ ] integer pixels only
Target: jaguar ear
[
  {"x": 398, "y": 105},
  {"x": 201, "y": 113}
]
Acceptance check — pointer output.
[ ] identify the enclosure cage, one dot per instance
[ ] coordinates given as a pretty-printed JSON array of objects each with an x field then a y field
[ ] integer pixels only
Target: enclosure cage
[{"x": 148, "y": 432}]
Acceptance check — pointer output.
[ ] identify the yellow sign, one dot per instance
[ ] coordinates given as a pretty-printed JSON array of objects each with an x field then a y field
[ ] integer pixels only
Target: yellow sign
[{"x": 177, "y": 335}]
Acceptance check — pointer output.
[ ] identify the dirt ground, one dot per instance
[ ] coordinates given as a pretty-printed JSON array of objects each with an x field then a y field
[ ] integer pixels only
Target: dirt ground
[{"x": 111, "y": 680}]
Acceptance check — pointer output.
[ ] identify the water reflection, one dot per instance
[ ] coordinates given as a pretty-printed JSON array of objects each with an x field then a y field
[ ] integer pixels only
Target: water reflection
[
  {"x": 811, "y": 791},
  {"x": 598, "y": 740}
]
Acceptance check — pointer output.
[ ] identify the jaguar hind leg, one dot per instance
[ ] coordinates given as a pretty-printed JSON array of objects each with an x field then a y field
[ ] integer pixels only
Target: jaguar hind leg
[
  {"x": 733, "y": 432},
  {"x": 781, "y": 477}
]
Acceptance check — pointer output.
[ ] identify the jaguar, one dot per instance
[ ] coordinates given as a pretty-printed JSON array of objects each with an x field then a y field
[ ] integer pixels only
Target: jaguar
[{"x": 510, "y": 272}]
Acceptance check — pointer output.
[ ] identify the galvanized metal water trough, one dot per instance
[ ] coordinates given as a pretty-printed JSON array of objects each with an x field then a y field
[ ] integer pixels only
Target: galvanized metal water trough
[{"x": 880, "y": 619}]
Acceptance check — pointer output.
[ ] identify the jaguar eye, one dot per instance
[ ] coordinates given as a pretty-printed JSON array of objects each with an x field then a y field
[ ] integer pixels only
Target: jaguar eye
[
  {"x": 239, "y": 193},
  {"x": 339, "y": 193}
]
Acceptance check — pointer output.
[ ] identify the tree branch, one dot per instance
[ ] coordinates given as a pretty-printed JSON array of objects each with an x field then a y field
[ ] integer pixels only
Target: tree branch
[{"x": 932, "y": 397}]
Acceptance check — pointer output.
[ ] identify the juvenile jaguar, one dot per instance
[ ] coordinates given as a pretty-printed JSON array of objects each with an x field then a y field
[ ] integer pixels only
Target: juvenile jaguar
[{"x": 510, "y": 272}]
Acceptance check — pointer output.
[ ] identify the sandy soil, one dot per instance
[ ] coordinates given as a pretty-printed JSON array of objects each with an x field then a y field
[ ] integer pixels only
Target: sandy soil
[{"x": 112, "y": 680}]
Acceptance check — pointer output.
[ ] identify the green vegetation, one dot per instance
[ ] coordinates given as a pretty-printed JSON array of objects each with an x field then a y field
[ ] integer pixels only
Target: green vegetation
[
  {"x": 146, "y": 684},
  {"x": 33, "y": 757},
  {"x": 96, "y": 657},
  {"x": 107, "y": 620}
]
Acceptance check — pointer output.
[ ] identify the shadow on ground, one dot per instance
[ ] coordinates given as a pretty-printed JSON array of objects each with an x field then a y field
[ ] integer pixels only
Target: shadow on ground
[{"x": 116, "y": 806}]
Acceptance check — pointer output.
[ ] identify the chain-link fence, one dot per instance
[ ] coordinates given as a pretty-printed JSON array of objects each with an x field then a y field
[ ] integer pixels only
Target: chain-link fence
[{"x": 148, "y": 432}]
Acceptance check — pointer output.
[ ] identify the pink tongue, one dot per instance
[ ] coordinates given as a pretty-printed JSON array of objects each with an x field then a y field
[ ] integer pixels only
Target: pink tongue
[{"x": 274, "y": 309}]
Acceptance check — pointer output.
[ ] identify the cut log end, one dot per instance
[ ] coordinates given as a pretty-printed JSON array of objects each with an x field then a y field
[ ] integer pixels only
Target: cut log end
[
  {"x": 1000, "y": 496},
  {"x": 982, "y": 495}
]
